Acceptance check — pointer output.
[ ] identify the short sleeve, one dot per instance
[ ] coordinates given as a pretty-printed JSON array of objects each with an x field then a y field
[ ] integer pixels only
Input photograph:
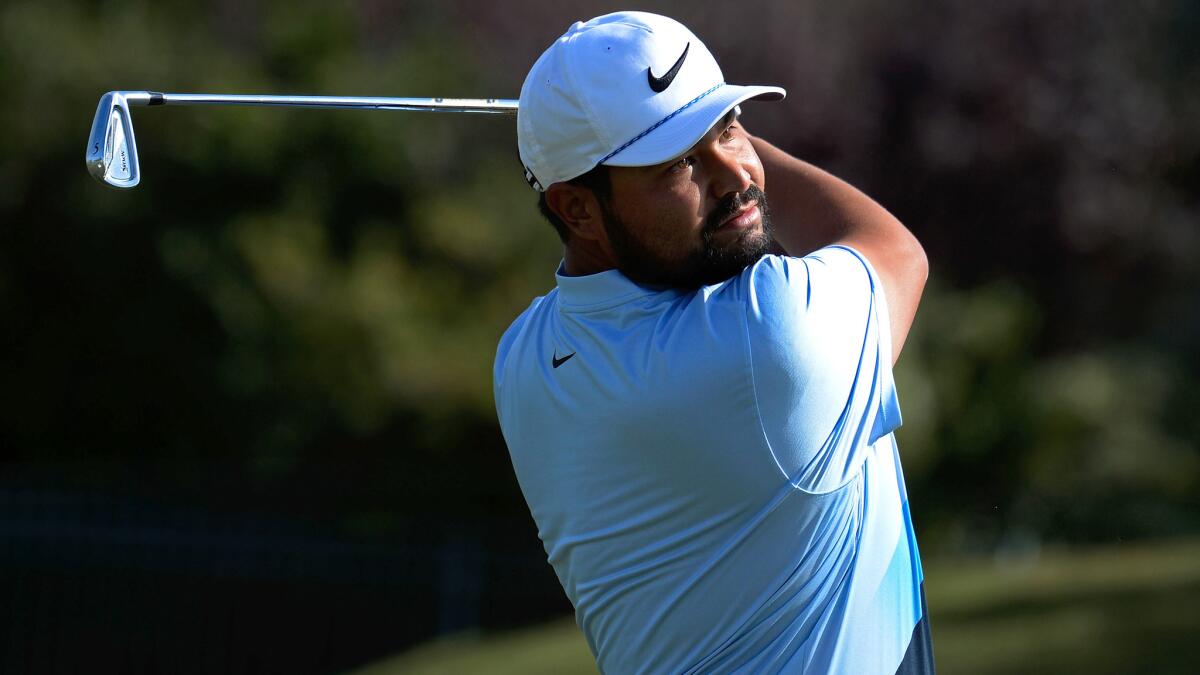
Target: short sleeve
[{"x": 820, "y": 351}]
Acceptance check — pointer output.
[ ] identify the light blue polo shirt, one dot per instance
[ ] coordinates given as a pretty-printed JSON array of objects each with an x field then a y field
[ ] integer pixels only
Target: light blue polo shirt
[{"x": 713, "y": 472}]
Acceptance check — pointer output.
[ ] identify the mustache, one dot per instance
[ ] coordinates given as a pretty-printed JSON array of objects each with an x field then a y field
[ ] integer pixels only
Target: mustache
[{"x": 732, "y": 205}]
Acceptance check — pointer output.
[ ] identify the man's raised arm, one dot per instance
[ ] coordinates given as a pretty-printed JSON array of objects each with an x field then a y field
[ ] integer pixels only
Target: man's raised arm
[{"x": 811, "y": 208}]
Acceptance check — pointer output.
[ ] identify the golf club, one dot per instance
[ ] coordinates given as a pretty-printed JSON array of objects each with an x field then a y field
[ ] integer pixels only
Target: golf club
[{"x": 112, "y": 152}]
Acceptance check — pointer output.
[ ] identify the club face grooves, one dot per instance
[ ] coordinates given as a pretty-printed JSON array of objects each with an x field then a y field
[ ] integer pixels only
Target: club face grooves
[{"x": 111, "y": 154}]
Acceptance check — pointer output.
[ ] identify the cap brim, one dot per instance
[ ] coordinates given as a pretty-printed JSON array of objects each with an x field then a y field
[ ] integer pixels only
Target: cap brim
[{"x": 679, "y": 133}]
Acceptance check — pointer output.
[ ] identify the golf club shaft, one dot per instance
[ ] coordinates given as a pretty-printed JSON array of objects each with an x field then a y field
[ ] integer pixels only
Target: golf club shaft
[
  {"x": 111, "y": 154},
  {"x": 493, "y": 106}
]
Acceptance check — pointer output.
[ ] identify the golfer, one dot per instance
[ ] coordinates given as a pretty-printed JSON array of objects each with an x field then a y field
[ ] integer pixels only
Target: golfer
[{"x": 700, "y": 414}]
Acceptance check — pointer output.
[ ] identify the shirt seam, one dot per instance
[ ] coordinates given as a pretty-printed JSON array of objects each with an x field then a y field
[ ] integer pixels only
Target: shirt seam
[
  {"x": 754, "y": 381},
  {"x": 883, "y": 360}
]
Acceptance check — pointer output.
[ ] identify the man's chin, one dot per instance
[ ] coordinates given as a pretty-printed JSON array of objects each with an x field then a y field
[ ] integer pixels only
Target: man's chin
[
  {"x": 729, "y": 266},
  {"x": 740, "y": 242},
  {"x": 715, "y": 264},
  {"x": 717, "y": 258}
]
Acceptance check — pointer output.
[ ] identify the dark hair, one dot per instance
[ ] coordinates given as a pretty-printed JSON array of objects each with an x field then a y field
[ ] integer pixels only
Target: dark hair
[{"x": 597, "y": 180}]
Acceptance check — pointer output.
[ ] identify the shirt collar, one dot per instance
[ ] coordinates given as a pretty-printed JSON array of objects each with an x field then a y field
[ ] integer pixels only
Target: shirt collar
[{"x": 595, "y": 291}]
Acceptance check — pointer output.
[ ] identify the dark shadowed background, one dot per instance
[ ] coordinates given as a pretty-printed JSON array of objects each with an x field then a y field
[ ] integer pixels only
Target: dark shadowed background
[{"x": 246, "y": 415}]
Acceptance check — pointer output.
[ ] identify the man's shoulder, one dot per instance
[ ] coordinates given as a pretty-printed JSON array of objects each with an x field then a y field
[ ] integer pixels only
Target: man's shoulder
[
  {"x": 519, "y": 326},
  {"x": 775, "y": 270},
  {"x": 807, "y": 310},
  {"x": 833, "y": 275}
]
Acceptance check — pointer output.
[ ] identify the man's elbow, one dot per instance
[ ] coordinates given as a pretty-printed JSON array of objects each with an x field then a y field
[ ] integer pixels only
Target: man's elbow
[
  {"x": 911, "y": 270},
  {"x": 916, "y": 261}
]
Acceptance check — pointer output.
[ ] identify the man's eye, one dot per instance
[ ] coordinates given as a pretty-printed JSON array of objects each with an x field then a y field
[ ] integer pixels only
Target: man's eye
[
  {"x": 727, "y": 135},
  {"x": 681, "y": 165}
]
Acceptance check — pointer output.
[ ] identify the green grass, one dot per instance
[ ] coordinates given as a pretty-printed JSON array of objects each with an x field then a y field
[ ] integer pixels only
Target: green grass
[
  {"x": 557, "y": 648},
  {"x": 1128, "y": 609},
  {"x": 1124, "y": 609}
]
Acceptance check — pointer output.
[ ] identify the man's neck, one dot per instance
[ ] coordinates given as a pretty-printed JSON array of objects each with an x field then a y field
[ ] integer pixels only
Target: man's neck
[{"x": 580, "y": 261}]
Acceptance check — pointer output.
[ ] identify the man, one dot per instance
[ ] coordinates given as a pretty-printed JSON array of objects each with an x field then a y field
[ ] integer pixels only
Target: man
[{"x": 701, "y": 427}]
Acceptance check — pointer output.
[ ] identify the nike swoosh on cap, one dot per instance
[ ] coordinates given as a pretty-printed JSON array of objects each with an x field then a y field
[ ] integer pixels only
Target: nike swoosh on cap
[
  {"x": 556, "y": 362},
  {"x": 659, "y": 84}
]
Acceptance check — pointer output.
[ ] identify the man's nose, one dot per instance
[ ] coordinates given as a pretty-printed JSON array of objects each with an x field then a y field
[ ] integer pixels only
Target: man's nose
[{"x": 728, "y": 174}]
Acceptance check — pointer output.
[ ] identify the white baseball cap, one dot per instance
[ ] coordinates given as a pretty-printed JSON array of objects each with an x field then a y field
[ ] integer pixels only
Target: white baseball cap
[{"x": 624, "y": 89}]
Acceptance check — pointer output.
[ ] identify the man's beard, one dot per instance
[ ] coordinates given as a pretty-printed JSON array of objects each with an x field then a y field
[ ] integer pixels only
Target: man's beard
[{"x": 706, "y": 264}]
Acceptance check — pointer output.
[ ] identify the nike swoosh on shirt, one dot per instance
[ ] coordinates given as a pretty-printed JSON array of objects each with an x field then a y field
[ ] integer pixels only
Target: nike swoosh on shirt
[
  {"x": 558, "y": 362},
  {"x": 659, "y": 84}
]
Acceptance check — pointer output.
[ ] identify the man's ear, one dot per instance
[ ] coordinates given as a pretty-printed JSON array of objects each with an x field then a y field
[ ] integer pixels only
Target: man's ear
[{"x": 578, "y": 208}]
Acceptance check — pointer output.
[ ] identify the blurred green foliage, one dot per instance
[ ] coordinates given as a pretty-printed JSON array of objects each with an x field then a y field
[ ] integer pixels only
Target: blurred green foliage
[{"x": 289, "y": 291}]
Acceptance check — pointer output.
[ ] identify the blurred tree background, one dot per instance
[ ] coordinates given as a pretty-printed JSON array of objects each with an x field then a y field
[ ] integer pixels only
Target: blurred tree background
[{"x": 278, "y": 347}]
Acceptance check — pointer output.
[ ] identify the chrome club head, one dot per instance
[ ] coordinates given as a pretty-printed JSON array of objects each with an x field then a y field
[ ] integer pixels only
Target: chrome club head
[{"x": 111, "y": 151}]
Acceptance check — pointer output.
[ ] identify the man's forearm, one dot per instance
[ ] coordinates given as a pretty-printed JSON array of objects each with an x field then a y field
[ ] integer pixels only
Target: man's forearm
[{"x": 811, "y": 208}]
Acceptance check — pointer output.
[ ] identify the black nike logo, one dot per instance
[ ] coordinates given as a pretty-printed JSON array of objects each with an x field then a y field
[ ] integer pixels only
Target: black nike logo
[
  {"x": 558, "y": 362},
  {"x": 661, "y": 83}
]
